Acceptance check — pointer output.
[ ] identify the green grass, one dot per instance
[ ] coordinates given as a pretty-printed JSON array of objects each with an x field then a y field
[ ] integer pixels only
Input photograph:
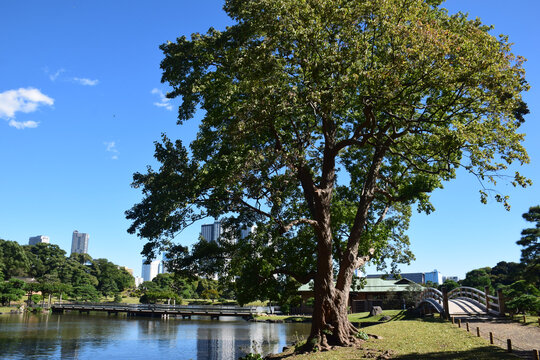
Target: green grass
[
  {"x": 416, "y": 339},
  {"x": 530, "y": 320},
  {"x": 364, "y": 316},
  {"x": 7, "y": 309},
  {"x": 355, "y": 318},
  {"x": 285, "y": 318}
]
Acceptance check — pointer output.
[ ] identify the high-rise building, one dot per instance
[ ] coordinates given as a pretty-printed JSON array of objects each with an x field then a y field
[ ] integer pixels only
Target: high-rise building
[
  {"x": 163, "y": 266},
  {"x": 150, "y": 271},
  {"x": 138, "y": 281},
  {"x": 211, "y": 232},
  {"x": 79, "y": 243},
  {"x": 434, "y": 276},
  {"x": 38, "y": 239},
  {"x": 130, "y": 271},
  {"x": 247, "y": 230}
]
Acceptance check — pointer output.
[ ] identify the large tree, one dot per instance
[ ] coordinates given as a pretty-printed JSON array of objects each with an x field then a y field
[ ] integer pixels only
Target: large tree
[
  {"x": 324, "y": 121},
  {"x": 13, "y": 259},
  {"x": 530, "y": 240}
]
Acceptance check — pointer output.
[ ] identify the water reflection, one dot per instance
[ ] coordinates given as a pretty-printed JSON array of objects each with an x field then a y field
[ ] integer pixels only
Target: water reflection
[{"x": 74, "y": 336}]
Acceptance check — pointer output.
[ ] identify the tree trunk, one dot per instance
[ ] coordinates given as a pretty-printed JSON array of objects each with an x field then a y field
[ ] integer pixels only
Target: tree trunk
[{"x": 330, "y": 324}]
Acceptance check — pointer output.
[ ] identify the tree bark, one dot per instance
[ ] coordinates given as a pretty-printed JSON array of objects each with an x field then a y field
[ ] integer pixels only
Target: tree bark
[{"x": 330, "y": 324}]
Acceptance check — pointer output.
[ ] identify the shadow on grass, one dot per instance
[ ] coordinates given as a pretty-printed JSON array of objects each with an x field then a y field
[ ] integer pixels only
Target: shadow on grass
[{"x": 479, "y": 353}]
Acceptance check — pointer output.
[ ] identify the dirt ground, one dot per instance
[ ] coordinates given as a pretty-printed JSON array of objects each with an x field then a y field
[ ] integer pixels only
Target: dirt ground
[{"x": 524, "y": 339}]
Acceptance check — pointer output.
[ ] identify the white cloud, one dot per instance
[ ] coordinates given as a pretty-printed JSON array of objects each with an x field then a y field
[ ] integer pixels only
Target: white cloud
[
  {"x": 163, "y": 101},
  {"x": 54, "y": 76},
  {"x": 110, "y": 146},
  {"x": 25, "y": 100},
  {"x": 85, "y": 81},
  {"x": 23, "y": 124}
]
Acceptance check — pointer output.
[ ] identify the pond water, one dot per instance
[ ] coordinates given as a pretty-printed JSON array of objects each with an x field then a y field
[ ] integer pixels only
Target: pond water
[{"x": 99, "y": 336}]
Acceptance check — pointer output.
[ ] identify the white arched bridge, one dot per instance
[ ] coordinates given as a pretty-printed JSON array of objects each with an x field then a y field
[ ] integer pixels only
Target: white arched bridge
[{"x": 462, "y": 301}]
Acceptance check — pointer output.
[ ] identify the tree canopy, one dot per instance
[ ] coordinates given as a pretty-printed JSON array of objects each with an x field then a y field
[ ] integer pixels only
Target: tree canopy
[
  {"x": 324, "y": 122},
  {"x": 530, "y": 240}
]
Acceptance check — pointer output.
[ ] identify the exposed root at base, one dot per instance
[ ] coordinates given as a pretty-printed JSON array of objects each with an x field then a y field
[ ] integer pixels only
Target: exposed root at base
[{"x": 358, "y": 345}]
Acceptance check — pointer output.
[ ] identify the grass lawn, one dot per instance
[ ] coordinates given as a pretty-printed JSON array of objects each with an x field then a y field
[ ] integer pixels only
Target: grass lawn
[
  {"x": 356, "y": 318},
  {"x": 530, "y": 320},
  {"x": 364, "y": 316},
  {"x": 416, "y": 339},
  {"x": 285, "y": 318},
  {"x": 7, "y": 309}
]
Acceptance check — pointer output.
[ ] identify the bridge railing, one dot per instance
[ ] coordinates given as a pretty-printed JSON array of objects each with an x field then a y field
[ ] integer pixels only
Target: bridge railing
[
  {"x": 157, "y": 307},
  {"x": 492, "y": 303},
  {"x": 431, "y": 293}
]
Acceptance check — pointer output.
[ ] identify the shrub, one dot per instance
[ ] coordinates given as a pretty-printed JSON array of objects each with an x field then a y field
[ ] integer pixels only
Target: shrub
[{"x": 362, "y": 335}]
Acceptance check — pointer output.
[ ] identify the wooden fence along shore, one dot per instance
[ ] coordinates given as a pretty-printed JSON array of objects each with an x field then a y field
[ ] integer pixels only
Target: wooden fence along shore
[{"x": 161, "y": 310}]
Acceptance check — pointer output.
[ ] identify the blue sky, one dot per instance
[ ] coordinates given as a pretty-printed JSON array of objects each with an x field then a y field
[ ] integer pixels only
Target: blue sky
[{"x": 81, "y": 104}]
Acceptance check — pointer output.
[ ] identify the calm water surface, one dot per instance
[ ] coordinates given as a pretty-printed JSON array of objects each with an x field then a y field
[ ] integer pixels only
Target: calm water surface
[{"x": 98, "y": 336}]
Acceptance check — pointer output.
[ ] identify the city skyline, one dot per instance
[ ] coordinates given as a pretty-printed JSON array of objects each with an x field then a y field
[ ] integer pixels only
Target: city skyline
[{"x": 89, "y": 107}]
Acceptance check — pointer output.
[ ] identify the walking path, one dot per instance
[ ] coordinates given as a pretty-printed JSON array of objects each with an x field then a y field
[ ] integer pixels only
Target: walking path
[
  {"x": 464, "y": 307},
  {"x": 524, "y": 338}
]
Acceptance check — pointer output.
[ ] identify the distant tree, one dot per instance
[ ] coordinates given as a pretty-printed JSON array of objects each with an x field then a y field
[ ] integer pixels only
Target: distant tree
[
  {"x": 506, "y": 273},
  {"x": 35, "y": 299},
  {"x": 86, "y": 292},
  {"x": 31, "y": 288},
  {"x": 82, "y": 259},
  {"x": 111, "y": 278},
  {"x": 117, "y": 298},
  {"x": 149, "y": 286},
  {"x": 151, "y": 297},
  {"x": 44, "y": 259},
  {"x": 530, "y": 240},
  {"x": 325, "y": 121},
  {"x": 13, "y": 259},
  {"x": 523, "y": 297},
  {"x": 478, "y": 278},
  {"x": 12, "y": 290},
  {"x": 449, "y": 284},
  {"x": 50, "y": 288},
  {"x": 74, "y": 273},
  {"x": 164, "y": 281},
  {"x": 210, "y": 294},
  {"x": 410, "y": 295}
]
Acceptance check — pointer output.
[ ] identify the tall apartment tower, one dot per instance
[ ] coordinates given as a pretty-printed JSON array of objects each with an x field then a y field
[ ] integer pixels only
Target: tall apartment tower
[
  {"x": 163, "y": 265},
  {"x": 38, "y": 239},
  {"x": 150, "y": 271},
  {"x": 211, "y": 232},
  {"x": 79, "y": 243}
]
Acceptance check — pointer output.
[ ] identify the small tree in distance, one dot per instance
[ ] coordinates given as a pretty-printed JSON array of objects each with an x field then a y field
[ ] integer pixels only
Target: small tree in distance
[
  {"x": 530, "y": 240},
  {"x": 325, "y": 121}
]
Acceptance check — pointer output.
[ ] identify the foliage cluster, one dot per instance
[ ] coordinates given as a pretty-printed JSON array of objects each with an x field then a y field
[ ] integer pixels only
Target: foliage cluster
[
  {"x": 174, "y": 286},
  {"x": 78, "y": 276},
  {"x": 325, "y": 123}
]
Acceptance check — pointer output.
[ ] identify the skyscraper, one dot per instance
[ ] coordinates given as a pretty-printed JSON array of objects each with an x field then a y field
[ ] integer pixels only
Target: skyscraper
[
  {"x": 163, "y": 266},
  {"x": 247, "y": 231},
  {"x": 79, "y": 243},
  {"x": 211, "y": 232},
  {"x": 150, "y": 271},
  {"x": 38, "y": 239}
]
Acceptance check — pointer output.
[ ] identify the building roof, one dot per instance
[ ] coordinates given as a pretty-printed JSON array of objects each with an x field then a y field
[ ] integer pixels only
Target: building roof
[{"x": 373, "y": 285}]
